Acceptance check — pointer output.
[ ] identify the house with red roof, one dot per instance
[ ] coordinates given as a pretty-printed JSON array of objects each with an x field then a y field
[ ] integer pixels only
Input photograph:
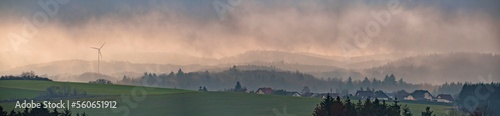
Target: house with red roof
[{"x": 264, "y": 90}]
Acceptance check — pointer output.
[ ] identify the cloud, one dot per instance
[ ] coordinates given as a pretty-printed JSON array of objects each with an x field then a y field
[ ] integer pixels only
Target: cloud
[{"x": 193, "y": 27}]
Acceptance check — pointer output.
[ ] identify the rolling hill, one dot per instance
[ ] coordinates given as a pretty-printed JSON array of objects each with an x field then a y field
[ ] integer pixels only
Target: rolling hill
[
  {"x": 107, "y": 67},
  {"x": 165, "y": 101},
  {"x": 434, "y": 68}
]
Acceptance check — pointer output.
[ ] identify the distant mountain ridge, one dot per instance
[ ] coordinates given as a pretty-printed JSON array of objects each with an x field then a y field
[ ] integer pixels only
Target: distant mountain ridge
[
  {"x": 107, "y": 67},
  {"x": 181, "y": 60},
  {"x": 434, "y": 68}
]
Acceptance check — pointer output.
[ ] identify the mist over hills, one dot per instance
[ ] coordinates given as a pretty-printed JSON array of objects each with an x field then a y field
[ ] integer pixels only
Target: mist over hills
[
  {"x": 152, "y": 62},
  {"x": 162, "y": 58},
  {"x": 304, "y": 58},
  {"x": 107, "y": 67},
  {"x": 440, "y": 68},
  {"x": 434, "y": 68}
]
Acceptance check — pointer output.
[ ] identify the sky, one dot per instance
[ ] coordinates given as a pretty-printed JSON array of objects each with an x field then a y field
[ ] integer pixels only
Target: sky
[{"x": 32, "y": 33}]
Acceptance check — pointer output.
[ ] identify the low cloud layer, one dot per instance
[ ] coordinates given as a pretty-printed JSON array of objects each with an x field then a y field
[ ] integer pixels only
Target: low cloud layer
[{"x": 195, "y": 28}]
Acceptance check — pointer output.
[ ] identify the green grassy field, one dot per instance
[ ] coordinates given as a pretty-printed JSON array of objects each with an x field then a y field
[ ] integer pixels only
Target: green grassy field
[{"x": 177, "y": 102}]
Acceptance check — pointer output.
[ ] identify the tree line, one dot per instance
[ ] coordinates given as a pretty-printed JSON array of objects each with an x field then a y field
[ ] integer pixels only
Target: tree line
[
  {"x": 25, "y": 76},
  {"x": 481, "y": 99},
  {"x": 253, "y": 79},
  {"x": 101, "y": 81},
  {"x": 336, "y": 107}
]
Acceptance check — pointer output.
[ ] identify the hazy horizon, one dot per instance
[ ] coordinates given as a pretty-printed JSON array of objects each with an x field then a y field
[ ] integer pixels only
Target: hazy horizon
[{"x": 195, "y": 28}]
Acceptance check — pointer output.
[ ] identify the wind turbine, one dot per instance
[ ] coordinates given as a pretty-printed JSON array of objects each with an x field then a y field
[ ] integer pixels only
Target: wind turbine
[{"x": 99, "y": 55}]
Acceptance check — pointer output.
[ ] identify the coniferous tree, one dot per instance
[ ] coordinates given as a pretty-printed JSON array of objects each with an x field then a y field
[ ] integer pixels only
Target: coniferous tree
[
  {"x": 335, "y": 107},
  {"x": 324, "y": 108},
  {"x": 338, "y": 108},
  {"x": 238, "y": 86},
  {"x": 40, "y": 111},
  {"x": 350, "y": 108},
  {"x": 367, "y": 108},
  {"x": 427, "y": 112},
  {"x": 377, "y": 107},
  {"x": 395, "y": 109},
  {"x": 2, "y": 112},
  {"x": 55, "y": 112},
  {"x": 320, "y": 110},
  {"x": 205, "y": 89},
  {"x": 180, "y": 73},
  {"x": 13, "y": 113},
  {"x": 383, "y": 108},
  {"x": 406, "y": 111}
]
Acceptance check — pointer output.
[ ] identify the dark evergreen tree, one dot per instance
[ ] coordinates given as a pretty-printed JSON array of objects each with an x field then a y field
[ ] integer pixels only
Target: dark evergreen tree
[
  {"x": 427, "y": 112},
  {"x": 378, "y": 107},
  {"x": 320, "y": 110},
  {"x": 406, "y": 111},
  {"x": 394, "y": 109},
  {"x": 350, "y": 108},
  {"x": 40, "y": 111},
  {"x": 13, "y": 113},
  {"x": 205, "y": 89},
  {"x": 55, "y": 112},
  {"x": 349, "y": 84},
  {"x": 401, "y": 82},
  {"x": 359, "y": 107},
  {"x": 237, "y": 86},
  {"x": 2, "y": 112},
  {"x": 324, "y": 108},
  {"x": 366, "y": 82},
  {"x": 337, "y": 108},
  {"x": 180, "y": 73},
  {"x": 367, "y": 108},
  {"x": 384, "y": 108},
  {"x": 171, "y": 74}
]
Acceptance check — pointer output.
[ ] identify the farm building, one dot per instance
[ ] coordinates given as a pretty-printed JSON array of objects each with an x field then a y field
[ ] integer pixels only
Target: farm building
[{"x": 419, "y": 95}]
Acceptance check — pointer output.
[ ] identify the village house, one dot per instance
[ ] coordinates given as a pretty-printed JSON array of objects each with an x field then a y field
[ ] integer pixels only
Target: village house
[
  {"x": 373, "y": 95},
  {"x": 295, "y": 94},
  {"x": 264, "y": 90},
  {"x": 381, "y": 95},
  {"x": 419, "y": 95},
  {"x": 364, "y": 94},
  {"x": 446, "y": 98}
]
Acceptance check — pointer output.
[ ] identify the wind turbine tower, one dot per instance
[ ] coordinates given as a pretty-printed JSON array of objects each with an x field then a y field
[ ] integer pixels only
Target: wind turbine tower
[{"x": 99, "y": 55}]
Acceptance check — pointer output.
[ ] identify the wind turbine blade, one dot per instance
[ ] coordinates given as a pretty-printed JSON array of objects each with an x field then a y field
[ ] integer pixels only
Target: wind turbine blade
[
  {"x": 100, "y": 55},
  {"x": 102, "y": 45},
  {"x": 94, "y": 48}
]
